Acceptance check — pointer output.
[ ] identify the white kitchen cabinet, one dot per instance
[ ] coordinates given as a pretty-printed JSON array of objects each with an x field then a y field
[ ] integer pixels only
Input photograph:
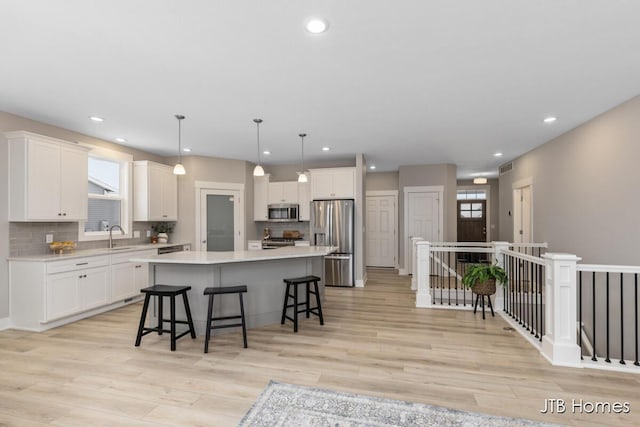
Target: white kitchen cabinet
[
  {"x": 333, "y": 183},
  {"x": 304, "y": 200},
  {"x": 155, "y": 192},
  {"x": 260, "y": 197},
  {"x": 283, "y": 192},
  {"x": 127, "y": 278},
  {"x": 48, "y": 178}
]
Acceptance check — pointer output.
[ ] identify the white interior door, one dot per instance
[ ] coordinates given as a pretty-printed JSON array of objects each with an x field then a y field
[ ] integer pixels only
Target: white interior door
[
  {"x": 220, "y": 220},
  {"x": 522, "y": 214},
  {"x": 381, "y": 229},
  {"x": 423, "y": 218}
]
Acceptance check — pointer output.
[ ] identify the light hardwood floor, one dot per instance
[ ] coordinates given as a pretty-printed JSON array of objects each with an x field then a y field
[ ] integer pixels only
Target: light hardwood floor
[{"x": 374, "y": 342}]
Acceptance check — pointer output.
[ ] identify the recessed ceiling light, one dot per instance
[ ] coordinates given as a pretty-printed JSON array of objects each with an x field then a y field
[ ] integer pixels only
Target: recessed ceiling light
[
  {"x": 550, "y": 119},
  {"x": 498, "y": 154},
  {"x": 317, "y": 25},
  {"x": 96, "y": 119},
  {"x": 266, "y": 152},
  {"x": 326, "y": 148},
  {"x": 372, "y": 167},
  {"x": 121, "y": 140},
  {"x": 186, "y": 150}
]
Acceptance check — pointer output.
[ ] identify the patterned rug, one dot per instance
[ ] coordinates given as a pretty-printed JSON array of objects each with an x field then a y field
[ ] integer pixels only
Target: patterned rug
[{"x": 291, "y": 405}]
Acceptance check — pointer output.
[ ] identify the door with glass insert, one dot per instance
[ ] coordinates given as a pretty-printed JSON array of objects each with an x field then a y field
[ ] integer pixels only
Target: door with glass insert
[{"x": 220, "y": 220}]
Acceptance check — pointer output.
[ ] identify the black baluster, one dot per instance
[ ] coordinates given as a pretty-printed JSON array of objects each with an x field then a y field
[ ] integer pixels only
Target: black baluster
[
  {"x": 580, "y": 313},
  {"x": 593, "y": 314},
  {"x": 622, "y": 362},
  {"x": 542, "y": 287},
  {"x": 531, "y": 307},
  {"x": 449, "y": 275},
  {"x": 607, "y": 322},
  {"x": 635, "y": 305}
]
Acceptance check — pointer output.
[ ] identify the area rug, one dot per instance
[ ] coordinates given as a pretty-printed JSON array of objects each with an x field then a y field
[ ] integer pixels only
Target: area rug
[{"x": 283, "y": 404}]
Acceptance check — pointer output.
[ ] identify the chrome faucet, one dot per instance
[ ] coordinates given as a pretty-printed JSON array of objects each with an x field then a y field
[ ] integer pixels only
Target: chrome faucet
[{"x": 111, "y": 234}]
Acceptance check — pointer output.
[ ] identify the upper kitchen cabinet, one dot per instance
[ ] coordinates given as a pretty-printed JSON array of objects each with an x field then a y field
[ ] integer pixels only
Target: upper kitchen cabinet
[
  {"x": 260, "y": 197},
  {"x": 283, "y": 192},
  {"x": 155, "y": 192},
  {"x": 333, "y": 183},
  {"x": 48, "y": 178}
]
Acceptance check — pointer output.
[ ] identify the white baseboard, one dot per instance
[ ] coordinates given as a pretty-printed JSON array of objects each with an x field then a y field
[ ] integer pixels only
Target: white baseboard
[
  {"x": 5, "y": 323},
  {"x": 361, "y": 282}
]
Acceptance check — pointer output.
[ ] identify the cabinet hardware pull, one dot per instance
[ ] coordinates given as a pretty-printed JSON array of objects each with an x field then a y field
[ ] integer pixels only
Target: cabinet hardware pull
[
  {"x": 59, "y": 214},
  {"x": 64, "y": 214},
  {"x": 82, "y": 263}
]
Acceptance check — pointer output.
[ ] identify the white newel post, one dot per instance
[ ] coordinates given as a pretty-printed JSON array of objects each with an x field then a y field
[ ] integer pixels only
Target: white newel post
[
  {"x": 559, "y": 343},
  {"x": 414, "y": 262},
  {"x": 499, "y": 248},
  {"x": 423, "y": 296}
]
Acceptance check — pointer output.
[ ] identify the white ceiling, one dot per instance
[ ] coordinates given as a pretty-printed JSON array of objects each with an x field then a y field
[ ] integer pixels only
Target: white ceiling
[{"x": 404, "y": 82}]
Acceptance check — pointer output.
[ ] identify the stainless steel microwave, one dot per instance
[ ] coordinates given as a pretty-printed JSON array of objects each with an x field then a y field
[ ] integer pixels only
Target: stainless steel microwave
[{"x": 283, "y": 212}]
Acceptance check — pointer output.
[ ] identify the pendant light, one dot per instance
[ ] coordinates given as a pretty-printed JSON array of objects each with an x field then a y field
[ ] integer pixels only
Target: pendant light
[
  {"x": 258, "y": 170},
  {"x": 178, "y": 169},
  {"x": 303, "y": 176}
]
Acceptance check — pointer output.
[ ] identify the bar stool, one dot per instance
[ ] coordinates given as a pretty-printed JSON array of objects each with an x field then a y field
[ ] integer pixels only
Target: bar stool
[
  {"x": 161, "y": 291},
  {"x": 294, "y": 282},
  {"x": 241, "y": 289}
]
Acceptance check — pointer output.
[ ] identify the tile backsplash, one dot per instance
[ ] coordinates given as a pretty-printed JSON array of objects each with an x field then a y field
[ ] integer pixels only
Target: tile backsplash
[
  {"x": 277, "y": 228},
  {"x": 29, "y": 238}
]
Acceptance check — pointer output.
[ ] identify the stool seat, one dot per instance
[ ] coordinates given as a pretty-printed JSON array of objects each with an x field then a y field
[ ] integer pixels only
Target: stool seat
[
  {"x": 170, "y": 291},
  {"x": 225, "y": 290},
  {"x": 165, "y": 290},
  {"x": 222, "y": 290},
  {"x": 308, "y": 281},
  {"x": 304, "y": 279}
]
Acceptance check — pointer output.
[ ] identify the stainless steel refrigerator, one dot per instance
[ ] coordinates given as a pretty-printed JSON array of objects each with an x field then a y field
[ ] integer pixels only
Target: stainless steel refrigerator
[{"x": 332, "y": 224}]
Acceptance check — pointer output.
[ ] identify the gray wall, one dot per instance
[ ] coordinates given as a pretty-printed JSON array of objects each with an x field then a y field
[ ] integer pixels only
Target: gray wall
[
  {"x": 428, "y": 175},
  {"x": 280, "y": 173},
  {"x": 494, "y": 204},
  {"x": 585, "y": 186},
  {"x": 382, "y": 181},
  {"x": 211, "y": 169}
]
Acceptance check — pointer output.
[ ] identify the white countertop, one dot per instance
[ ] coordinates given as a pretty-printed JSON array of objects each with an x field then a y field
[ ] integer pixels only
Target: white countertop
[
  {"x": 209, "y": 258},
  {"x": 91, "y": 252}
]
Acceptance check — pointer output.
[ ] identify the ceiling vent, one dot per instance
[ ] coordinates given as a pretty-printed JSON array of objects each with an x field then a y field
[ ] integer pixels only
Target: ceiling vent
[{"x": 506, "y": 168}]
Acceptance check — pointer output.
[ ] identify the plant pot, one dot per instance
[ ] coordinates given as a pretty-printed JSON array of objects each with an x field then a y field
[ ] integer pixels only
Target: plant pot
[
  {"x": 485, "y": 288},
  {"x": 164, "y": 238}
]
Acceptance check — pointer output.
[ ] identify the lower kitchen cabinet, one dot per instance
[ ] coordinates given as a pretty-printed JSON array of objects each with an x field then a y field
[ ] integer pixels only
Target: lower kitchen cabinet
[
  {"x": 127, "y": 278},
  {"x": 75, "y": 291},
  {"x": 49, "y": 294}
]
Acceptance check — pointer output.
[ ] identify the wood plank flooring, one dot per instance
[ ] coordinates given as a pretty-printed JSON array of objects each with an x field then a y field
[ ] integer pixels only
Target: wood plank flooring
[{"x": 374, "y": 342}]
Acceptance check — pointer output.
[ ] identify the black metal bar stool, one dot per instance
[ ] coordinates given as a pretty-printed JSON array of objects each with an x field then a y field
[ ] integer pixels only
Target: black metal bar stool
[
  {"x": 241, "y": 289},
  {"x": 294, "y": 282},
  {"x": 172, "y": 292}
]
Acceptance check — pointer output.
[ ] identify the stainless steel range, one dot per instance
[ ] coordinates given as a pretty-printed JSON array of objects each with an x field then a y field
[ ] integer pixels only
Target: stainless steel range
[{"x": 278, "y": 242}]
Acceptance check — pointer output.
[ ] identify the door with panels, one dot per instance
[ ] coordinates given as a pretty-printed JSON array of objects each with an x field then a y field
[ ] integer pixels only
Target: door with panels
[{"x": 381, "y": 230}]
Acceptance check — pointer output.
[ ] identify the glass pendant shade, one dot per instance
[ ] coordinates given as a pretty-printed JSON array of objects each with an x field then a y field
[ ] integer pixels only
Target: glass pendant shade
[
  {"x": 258, "y": 171},
  {"x": 179, "y": 169},
  {"x": 303, "y": 177}
]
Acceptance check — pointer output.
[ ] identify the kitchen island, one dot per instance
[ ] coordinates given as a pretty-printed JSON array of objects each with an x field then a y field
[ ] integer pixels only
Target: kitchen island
[{"x": 262, "y": 272}]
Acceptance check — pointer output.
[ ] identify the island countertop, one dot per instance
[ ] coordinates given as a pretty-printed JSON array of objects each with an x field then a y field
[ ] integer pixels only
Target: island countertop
[{"x": 211, "y": 258}]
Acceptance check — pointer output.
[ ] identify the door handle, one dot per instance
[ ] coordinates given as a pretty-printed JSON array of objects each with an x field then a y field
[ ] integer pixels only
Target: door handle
[{"x": 204, "y": 241}]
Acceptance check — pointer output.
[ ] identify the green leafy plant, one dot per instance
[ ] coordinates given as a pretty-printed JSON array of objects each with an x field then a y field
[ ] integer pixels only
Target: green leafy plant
[
  {"x": 163, "y": 227},
  {"x": 481, "y": 273}
]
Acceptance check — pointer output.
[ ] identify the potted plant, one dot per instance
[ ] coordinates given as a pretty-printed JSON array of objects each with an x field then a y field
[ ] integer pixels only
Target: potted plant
[
  {"x": 481, "y": 279},
  {"x": 162, "y": 230}
]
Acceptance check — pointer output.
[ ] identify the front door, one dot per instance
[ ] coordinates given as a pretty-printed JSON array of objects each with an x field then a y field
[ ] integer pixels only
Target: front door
[
  {"x": 381, "y": 231},
  {"x": 472, "y": 221}
]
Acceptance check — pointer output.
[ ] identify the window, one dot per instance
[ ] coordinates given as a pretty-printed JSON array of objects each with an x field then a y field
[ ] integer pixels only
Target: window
[
  {"x": 470, "y": 210},
  {"x": 109, "y": 195},
  {"x": 472, "y": 195}
]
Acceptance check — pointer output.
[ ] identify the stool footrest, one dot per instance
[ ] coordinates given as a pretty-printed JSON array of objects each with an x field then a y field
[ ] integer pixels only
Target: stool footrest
[
  {"x": 234, "y": 325},
  {"x": 226, "y": 318}
]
